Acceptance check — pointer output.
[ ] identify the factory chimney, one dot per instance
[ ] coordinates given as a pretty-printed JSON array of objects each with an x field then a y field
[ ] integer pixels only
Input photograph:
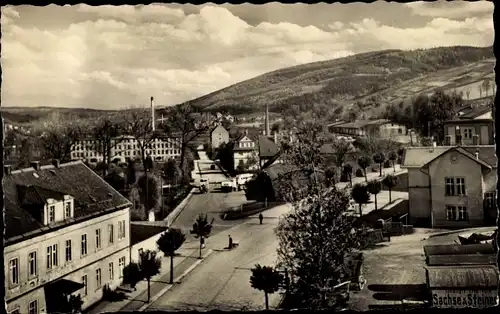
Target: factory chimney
[
  {"x": 152, "y": 113},
  {"x": 268, "y": 132}
]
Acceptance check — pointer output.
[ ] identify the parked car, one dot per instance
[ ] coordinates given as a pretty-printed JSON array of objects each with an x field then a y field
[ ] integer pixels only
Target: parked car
[
  {"x": 242, "y": 179},
  {"x": 228, "y": 186}
]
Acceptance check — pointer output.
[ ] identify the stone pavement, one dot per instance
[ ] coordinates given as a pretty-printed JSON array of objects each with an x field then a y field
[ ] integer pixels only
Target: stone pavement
[{"x": 134, "y": 300}]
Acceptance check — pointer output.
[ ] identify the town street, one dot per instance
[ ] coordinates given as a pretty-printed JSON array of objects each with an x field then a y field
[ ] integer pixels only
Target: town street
[{"x": 222, "y": 281}]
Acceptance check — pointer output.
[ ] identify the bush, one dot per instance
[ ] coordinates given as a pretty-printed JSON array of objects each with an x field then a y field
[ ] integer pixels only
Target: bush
[{"x": 359, "y": 173}]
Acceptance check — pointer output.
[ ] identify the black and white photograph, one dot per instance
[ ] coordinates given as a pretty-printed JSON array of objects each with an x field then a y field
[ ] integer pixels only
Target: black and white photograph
[{"x": 241, "y": 157}]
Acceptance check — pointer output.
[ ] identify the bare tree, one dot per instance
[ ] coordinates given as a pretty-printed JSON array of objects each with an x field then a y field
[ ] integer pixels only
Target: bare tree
[
  {"x": 186, "y": 123},
  {"x": 57, "y": 134},
  {"x": 138, "y": 123},
  {"x": 486, "y": 86},
  {"x": 106, "y": 132}
]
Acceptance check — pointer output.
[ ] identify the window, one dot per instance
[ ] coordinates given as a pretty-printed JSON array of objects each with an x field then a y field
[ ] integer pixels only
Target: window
[
  {"x": 33, "y": 307},
  {"x": 84, "y": 283},
  {"x": 98, "y": 239},
  {"x": 84, "y": 245},
  {"x": 68, "y": 251},
  {"x": 51, "y": 256},
  {"x": 121, "y": 230},
  {"x": 490, "y": 200},
  {"x": 14, "y": 271},
  {"x": 111, "y": 271},
  {"x": 454, "y": 186},
  {"x": 111, "y": 234},
  {"x": 67, "y": 210},
  {"x": 98, "y": 278},
  {"x": 456, "y": 213},
  {"x": 52, "y": 213},
  {"x": 467, "y": 133},
  {"x": 121, "y": 266},
  {"x": 32, "y": 264}
]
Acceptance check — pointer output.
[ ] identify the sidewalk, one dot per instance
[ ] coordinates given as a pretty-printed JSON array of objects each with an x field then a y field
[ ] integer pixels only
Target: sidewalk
[
  {"x": 372, "y": 176},
  {"x": 134, "y": 300}
]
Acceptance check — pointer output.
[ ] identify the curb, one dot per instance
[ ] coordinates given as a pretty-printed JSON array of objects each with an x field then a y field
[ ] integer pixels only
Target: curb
[
  {"x": 173, "y": 215},
  {"x": 179, "y": 278},
  {"x": 453, "y": 231}
]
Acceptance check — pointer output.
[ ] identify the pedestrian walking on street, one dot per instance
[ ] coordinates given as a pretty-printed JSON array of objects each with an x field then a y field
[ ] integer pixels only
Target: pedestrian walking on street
[
  {"x": 260, "y": 218},
  {"x": 230, "y": 246}
]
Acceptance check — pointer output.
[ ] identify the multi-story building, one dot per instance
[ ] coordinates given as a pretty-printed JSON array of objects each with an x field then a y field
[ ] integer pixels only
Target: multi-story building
[
  {"x": 218, "y": 135},
  {"x": 452, "y": 186},
  {"x": 127, "y": 147},
  {"x": 67, "y": 233},
  {"x": 381, "y": 128},
  {"x": 245, "y": 150},
  {"x": 474, "y": 126}
]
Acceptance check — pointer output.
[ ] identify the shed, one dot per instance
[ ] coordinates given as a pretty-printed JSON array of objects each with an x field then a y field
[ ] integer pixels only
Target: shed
[
  {"x": 462, "y": 277},
  {"x": 461, "y": 260},
  {"x": 458, "y": 249}
]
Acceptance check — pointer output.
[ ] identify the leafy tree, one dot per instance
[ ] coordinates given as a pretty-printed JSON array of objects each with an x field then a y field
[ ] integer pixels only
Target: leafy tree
[
  {"x": 330, "y": 175},
  {"x": 149, "y": 265},
  {"x": 149, "y": 192},
  {"x": 202, "y": 228},
  {"x": 393, "y": 156},
  {"x": 171, "y": 171},
  {"x": 132, "y": 274},
  {"x": 117, "y": 180},
  {"x": 341, "y": 149},
  {"x": 374, "y": 187},
  {"x": 348, "y": 171},
  {"x": 364, "y": 162},
  {"x": 379, "y": 158},
  {"x": 186, "y": 122},
  {"x": 224, "y": 153},
  {"x": 431, "y": 113},
  {"x": 360, "y": 195},
  {"x": 75, "y": 303},
  {"x": 169, "y": 242},
  {"x": 131, "y": 172},
  {"x": 207, "y": 147},
  {"x": 267, "y": 279},
  {"x": 25, "y": 152},
  {"x": 390, "y": 182},
  {"x": 312, "y": 257}
]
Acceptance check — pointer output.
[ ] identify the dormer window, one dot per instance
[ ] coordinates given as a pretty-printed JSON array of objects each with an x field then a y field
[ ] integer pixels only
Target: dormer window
[
  {"x": 52, "y": 213},
  {"x": 67, "y": 210}
]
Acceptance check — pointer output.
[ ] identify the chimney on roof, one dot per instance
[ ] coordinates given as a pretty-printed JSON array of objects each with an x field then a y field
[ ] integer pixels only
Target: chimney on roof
[
  {"x": 152, "y": 113},
  {"x": 477, "y": 154},
  {"x": 7, "y": 169},
  {"x": 268, "y": 132},
  {"x": 55, "y": 163},
  {"x": 35, "y": 165}
]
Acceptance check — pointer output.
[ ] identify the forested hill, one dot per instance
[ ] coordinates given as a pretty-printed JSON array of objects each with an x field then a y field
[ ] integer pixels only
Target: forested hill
[{"x": 347, "y": 80}]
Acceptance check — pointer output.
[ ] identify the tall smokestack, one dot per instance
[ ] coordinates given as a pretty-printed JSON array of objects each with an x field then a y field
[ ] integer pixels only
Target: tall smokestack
[
  {"x": 152, "y": 113},
  {"x": 268, "y": 132}
]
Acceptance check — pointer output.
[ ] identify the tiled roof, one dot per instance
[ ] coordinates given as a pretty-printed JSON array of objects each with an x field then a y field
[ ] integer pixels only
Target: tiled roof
[
  {"x": 26, "y": 187},
  {"x": 464, "y": 277},
  {"x": 267, "y": 148},
  {"x": 471, "y": 113},
  {"x": 416, "y": 157}
]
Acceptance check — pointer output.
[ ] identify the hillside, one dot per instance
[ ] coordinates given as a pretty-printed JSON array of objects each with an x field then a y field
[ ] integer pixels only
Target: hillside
[
  {"x": 388, "y": 76},
  {"x": 21, "y": 115}
]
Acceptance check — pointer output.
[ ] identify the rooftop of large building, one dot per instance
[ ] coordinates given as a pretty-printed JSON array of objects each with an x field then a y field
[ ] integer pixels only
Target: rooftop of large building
[
  {"x": 416, "y": 157},
  {"x": 25, "y": 187}
]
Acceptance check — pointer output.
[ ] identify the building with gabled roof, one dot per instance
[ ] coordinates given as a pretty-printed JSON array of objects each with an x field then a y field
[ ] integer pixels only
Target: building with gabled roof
[
  {"x": 218, "y": 135},
  {"x": 474, "y": 125},
  {"x": 67, "y": 232},
  {"x": 452, "y": 186}
]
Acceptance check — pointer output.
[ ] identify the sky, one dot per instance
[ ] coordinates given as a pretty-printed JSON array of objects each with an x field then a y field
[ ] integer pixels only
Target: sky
[{"x": 114, "y": 57}]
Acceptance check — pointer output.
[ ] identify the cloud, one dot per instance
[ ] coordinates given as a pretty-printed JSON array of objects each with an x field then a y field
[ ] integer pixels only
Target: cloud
[
  {"x": 114, "y": 56},
  {"x": 452, "y": 9}
]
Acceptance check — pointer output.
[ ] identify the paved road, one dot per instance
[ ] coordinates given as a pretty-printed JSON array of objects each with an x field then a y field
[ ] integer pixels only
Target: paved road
[
  {"x": 210, "y": 204},
  {"x": 222, "y": 280}
]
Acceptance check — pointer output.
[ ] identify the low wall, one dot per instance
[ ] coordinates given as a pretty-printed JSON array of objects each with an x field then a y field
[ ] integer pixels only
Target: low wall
[
  {"x": 174, "y": 213},
  {"x": 145, "y": 238}
]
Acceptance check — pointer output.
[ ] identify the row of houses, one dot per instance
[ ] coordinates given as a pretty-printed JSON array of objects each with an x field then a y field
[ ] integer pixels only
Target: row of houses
[{"x": 67, "y": 233}]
